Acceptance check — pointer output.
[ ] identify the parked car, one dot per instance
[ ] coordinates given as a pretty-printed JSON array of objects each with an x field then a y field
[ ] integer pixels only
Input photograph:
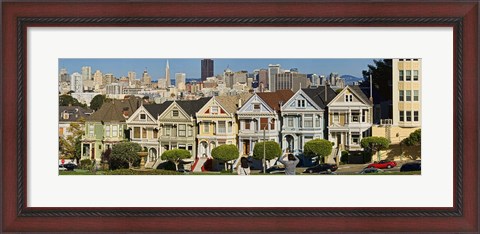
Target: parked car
[
  {"x": 371, "y": 170},
  {"x": 412, "y": 166},
  {"x": 61, "y": 167},
  {"x": 321, "y": 168},
  {"x": 280, "y": 168},
  {"x": 70, "y": 166},
  {"x": 382, "y": 164}
]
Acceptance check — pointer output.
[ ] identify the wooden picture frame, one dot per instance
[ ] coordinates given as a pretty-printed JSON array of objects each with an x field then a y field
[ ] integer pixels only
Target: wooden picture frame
[{"x": 17, "y": 16}]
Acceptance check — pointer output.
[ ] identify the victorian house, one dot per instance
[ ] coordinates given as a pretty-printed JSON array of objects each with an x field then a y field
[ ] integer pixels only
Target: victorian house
[
  {"x": 107, "y": 126},
  {"x": 144, "y": 129},
  {"x": 69, "y": 115},
  {"x": 260, "y": 120},
  {"x": 349, "y": 118},
  {"x": 217, "y": 123},
  {"x": 303, "y": 118}
]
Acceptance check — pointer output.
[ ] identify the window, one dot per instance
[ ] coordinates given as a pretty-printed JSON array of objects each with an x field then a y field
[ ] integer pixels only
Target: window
[
  {"x": 308, "y": 121},
  {"x": 206, "y": 127},
  {"x": 230, "y": 126},
  {"x": 190, "y": 130},
  {"x": 143, "y": 116},
  {"x": 409, "y": 116},
  {"x": 155, "y": 133},
  {"x": 400, "y": 95},
  {"x": 256, "y": 107},
  {"x": 415, "y": 95},
  {"x": 355, "y": 138},
  {"x": 401, "y": 116},
  {"x": 182, "y": 130},
  {"x": 91, "y": 130},
  {"x": 272, "y": 124},
  {"x": 167, "y": 130},
  {"x": 415, "y": 116},
  {"x": 107, "y": 130},
  {"x": 144, "y": 133},
  {"x": 408, "y": 96},
  {"x": 415, "y": 74},
  {"x": 317, "y": 121},
  {"x": 408, "y": 77},
  {"x": 348, "y": 98},
  {"x": 336, "y": 117},
  {"x": 364, "y": 116},
  {"x": 247, "y": 124},
  {"x": 290, "y": 121},
  {"x": 175, "y": 113},
  {"x": 400, "y": 75},
  {"x": 115, "y": 130},
  {"x": 301, "y": 103},
  {"x": 214, "y": 109},
  {"x": 356, "y": 117},
  {"x": 221, "y": 127},
  {"x": 263, "y": 123},
  {"x": 136, "y": 132}
]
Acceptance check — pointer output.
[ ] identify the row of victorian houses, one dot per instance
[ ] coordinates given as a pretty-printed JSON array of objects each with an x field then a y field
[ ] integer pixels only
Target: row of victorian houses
[{"x": 290, "y": 119}]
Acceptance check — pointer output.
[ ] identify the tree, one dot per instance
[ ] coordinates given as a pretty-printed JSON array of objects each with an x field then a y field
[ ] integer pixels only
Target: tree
[
  {"x": 175, "y": 155},
  {"x": 318, "y": 148},
  {"x": 67, "y": 100},
  {"x": 70, "y": 146},
  {"x": 272, "y": 150},
  {"x": 124, "y": 155},
  {"x": 225, "y": 153},
  {"x": 414, "y": 139},
  {"x": 381, "y": 77},
  {"x": 375, "y": 144},
  {"x": 97, "y": 102}
]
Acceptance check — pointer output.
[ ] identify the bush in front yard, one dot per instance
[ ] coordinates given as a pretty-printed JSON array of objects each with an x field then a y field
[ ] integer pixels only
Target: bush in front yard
[
  {"x": 344, "y": 157},
  {"x": 85, "y": 164}
]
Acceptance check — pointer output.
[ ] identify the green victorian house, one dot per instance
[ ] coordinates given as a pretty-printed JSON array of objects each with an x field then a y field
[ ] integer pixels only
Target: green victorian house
[{"x": 107, "y": 126}]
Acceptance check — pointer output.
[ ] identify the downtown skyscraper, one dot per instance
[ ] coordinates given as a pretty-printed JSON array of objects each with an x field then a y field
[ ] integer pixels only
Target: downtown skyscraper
[{"x": 207, "y": 69}]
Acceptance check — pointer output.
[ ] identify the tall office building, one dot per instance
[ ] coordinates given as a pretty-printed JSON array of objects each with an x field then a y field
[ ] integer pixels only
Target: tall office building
[
  {"x": 180, "y": 79},
  {"x": 98, "y": 78},
  {"x": 63, "y": 75},
  {"x": 207, "y": 69},
  {"x": 273, "y": 69},
  {"x": 263, "y": 77},
  {"x": 108, "y": 79},
  {"x": 146, "y": 78},
  {"x": 87, "y": 73},
  {"x": 290, "y": 80},
  {"x": 407, "y": 92},
  {"x": 167, "y": 75},
  {"x": 76, "y": 82},
  {"x": 132, "y": 76}
]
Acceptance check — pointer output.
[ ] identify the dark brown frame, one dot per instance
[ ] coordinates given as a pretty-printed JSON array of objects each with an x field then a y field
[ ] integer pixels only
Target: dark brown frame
[{"x": 462, "y": 16}]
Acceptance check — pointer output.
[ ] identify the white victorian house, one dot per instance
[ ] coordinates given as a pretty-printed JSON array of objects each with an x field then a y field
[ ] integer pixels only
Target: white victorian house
[
  {"x": 303, "y": 117},
  {"x": 349, "y": 118}
]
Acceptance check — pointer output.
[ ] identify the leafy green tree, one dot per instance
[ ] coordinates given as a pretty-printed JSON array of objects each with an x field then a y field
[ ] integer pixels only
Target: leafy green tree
[
  {"x": 225, "y": 153},
  {"x": 175, "y": 155},
  {"x": 414, "y": 139},
  {"x": 381, "y": 73},
  {"x": 124, "y": 155},
  {"x": 272, "y": 150},
  {"x": 67, "y": 100},
  {"x": 318, "y": 148},
  {"x": 70, "y": 145},
  {"x": 97, "y": 102},
  {"x": 375, "y": 144}
]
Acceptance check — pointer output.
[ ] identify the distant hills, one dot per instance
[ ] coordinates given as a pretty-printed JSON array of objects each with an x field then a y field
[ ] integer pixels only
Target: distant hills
[{"x": 349, "y": 79}]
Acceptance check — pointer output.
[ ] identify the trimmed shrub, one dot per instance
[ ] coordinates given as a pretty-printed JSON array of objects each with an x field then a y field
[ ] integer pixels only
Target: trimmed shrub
[
  {"x": 318, "y": 148},
  {"x": 344, "y": 157},
  {"x": 86, "y": 164},
  {"x": 124, "y": 155},
  {"x": 272, "y": 150}
]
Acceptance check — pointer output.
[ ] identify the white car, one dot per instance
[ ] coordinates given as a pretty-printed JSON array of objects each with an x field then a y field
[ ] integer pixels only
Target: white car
[{"x": 61, "y": 167}]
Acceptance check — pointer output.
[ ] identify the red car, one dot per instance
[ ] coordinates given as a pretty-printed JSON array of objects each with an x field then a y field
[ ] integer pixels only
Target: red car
[{"x": 383, "y": 164}]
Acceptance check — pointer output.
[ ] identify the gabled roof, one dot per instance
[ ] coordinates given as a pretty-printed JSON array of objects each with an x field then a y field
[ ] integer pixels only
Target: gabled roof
[
  {"x": 358, "y": 91},
  {"x": 157, "y": 109},
  {"x": 276, "y": 99},
  {"x": 318, "y": 95},
  {"x": 193, "y": 106},
  {"x": 114, "y": 110},
  {"x": 230, "y": 103},
  {"x": 74, "y": 113}
]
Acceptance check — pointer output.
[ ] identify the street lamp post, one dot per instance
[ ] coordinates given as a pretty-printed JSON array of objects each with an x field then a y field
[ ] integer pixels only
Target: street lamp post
[{"x": 264, "y": 143}]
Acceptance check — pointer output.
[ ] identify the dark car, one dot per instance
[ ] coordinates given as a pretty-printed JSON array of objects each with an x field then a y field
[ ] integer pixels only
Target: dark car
[
  {"x": 321, "y": 167},
  {"x": 280, "y": 168},
  {"x": 412, "y": 166},
  {"x": 371, "y": 170},
  {"x": 70, "y": 166}
]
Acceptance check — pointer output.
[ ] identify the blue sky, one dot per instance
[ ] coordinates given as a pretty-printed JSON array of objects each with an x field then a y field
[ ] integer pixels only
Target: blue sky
[{"x": 156, "y": 67}]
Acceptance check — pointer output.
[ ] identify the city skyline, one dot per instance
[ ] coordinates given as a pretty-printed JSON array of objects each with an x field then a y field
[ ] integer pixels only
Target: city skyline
[{"x": 192, "y": 67}]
